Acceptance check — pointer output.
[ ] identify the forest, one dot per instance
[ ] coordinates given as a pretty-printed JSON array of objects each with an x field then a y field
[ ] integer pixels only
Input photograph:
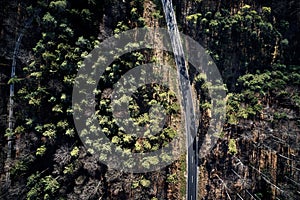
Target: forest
[{"x": 46, "y": 47}]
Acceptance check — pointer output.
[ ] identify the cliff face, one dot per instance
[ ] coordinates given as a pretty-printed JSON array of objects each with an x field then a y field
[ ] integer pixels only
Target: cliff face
[{"x": 256, "y": 157}]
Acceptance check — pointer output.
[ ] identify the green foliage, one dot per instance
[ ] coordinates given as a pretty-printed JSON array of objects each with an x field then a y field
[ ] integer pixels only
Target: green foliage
[
  {"x": 256, "y": 82},
  {"x": 19, "y": 129},
  {"x": 51, "y": 133},
  {"x": 145, "y": 183},
  {"x": 172, "y": 178},
  {"x": 149, "y": 96},
  {"x": 266, "y": 10},
  {"x": 42, "y": 187},
  {"x": 41, "y": 150},
  {"x": 65, "y": 35},
  {"x": 142, "y": 182},
  {"x": 58, "y": 5},
  {"x": 135, "y": 184},
  {"x": 69, "y": 169},
  {"x": 243, "y": 44},
  {"x": 193, "y": 17},
  {"x": 120, "y": 28},
  {"x": 50, "y": 184},
  {"x": 296, "y": 100},
  {"x": 258, "y": 86},
  {"x": 49, "y": 20},
  {"x": 8, "y": 132},
  {"x": 280, "y": 115},
  {"x": 21, "y": 166},
  {"x": 14, "y": 80},
  {"x": 157, "y": 14},
  {"x": 251, "y": 35},
  {"x": 232, "y": 107},
  {"x": 232, "y": 149},
  {"x": 75, "y": 152},
  {"x": 150, "y": 161}
]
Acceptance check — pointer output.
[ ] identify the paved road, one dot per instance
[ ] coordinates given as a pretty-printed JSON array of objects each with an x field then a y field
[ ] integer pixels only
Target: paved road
[
  {"x": 192, "y": 172},
  {"x": 187, "y": 103}
]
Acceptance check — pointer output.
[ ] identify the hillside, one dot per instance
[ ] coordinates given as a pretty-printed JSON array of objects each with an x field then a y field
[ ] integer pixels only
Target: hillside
[{"x": 58, "y": 98}]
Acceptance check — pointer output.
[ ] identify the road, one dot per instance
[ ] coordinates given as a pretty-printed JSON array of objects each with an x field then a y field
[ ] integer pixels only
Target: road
[
  {"x": 192, "y": 181},
  {"x": 186, "y": 101}
]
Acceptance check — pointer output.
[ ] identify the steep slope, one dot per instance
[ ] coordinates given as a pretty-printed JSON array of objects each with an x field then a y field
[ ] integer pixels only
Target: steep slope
[{"x": 255, "y": 44}]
